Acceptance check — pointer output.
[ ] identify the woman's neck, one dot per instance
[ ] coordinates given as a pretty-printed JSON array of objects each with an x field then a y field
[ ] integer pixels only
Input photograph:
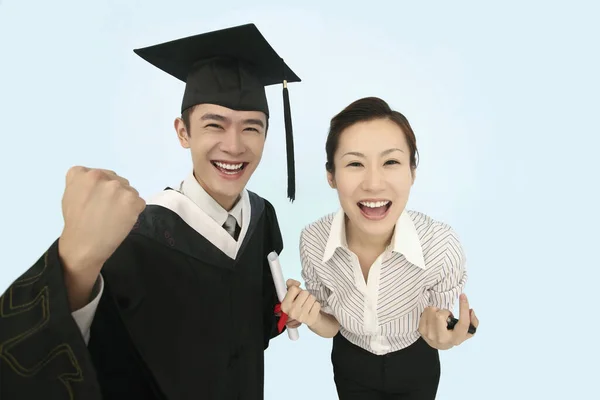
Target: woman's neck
[{"x": 362, "y": 241}]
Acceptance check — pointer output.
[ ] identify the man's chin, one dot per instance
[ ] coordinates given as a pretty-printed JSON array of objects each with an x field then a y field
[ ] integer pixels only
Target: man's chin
[{"x": 226, "y": 192}]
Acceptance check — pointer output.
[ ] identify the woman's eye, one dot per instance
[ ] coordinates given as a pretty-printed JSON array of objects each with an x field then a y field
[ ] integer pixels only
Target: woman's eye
[{"x": 354, "y": 164}]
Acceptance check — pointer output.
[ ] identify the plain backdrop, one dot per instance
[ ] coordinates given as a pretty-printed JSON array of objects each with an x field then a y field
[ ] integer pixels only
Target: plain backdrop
[{"x": 503, "y": 97}]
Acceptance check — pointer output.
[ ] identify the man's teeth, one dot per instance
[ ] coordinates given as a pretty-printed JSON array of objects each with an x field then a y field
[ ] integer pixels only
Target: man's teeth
[
  {"x": 374, "y": 204},
  {"x": 229, "y": 166}
]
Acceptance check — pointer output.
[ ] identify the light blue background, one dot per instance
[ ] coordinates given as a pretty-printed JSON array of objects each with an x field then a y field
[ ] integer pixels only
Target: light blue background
[{"x": 503, "y": 97}]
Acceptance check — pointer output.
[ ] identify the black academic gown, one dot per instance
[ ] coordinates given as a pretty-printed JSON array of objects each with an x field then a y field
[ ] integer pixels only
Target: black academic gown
[{"x": 177, "y": 320}]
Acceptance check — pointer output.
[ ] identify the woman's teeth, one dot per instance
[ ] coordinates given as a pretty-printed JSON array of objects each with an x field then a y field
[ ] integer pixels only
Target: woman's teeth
[{"x": 374, "y": 204}]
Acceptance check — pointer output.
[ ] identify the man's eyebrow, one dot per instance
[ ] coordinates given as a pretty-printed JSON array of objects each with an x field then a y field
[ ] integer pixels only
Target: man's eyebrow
[
  {"x": 214, "y": 117},
  {"x": 253, "y": 121},
  {"x": 221, "y": 118}
]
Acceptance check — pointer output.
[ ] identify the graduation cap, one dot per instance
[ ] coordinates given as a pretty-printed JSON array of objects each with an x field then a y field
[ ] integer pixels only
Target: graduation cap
[{"x": 228, "y": 67}]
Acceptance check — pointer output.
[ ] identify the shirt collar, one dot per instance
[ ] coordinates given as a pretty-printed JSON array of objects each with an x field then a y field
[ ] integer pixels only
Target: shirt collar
[
  {"x": 405, "y": 239},
  {"x": 195, "y": 192}
]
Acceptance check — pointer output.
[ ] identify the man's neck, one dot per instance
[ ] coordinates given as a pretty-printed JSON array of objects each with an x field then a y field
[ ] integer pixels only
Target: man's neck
[{"x": 227, "y": 202}]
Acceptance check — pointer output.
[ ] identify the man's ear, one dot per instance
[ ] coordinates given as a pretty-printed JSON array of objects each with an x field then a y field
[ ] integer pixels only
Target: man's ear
[{"x": 182, "y": 133}]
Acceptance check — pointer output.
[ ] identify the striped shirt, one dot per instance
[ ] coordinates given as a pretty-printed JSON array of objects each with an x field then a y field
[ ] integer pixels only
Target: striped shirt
[{"x": 424, "y": 265}]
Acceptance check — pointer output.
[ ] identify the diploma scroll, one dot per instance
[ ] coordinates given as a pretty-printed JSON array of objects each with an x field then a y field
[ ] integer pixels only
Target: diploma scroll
[{"x": 280, "y": 286}]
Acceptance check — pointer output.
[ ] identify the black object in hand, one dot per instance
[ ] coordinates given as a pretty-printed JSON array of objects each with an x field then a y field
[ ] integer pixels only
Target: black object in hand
[{"x": 452, "y": 321}]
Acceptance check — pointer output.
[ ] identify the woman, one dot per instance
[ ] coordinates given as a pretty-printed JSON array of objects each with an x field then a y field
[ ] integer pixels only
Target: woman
[{"x": 380, "y": 279}]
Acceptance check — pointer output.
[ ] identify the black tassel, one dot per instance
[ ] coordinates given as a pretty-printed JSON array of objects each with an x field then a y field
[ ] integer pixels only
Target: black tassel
[{"x": 289, "y": 138}]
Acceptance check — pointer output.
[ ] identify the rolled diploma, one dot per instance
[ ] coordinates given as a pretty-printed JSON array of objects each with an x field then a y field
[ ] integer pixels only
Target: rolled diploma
[{"x": 280, "y": 286}]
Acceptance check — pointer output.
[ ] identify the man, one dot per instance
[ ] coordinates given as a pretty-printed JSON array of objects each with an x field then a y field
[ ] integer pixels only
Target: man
[{"x": 171, "y": 298}]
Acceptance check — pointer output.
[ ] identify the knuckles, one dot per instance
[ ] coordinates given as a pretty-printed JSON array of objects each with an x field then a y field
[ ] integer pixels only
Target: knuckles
[
  {"x": 74, "y": 171},
  {"x": 317, "y": 305},
  {"x": 294, "y": 291},
  {"x": 114, "y": 187},
  {"x": 300, "y": 305},
  {"x": 96, "y": 175}
]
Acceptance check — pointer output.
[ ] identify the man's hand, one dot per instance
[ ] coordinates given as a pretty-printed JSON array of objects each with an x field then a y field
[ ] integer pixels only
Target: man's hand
[
  {"x": 99, "y": 209},
  {"x": 433, "y": 325},
  {"x": 300, "y": 306}
]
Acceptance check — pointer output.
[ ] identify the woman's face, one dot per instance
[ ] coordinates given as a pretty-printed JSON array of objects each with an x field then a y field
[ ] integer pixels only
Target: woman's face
[{"x": 372, "y": 175}]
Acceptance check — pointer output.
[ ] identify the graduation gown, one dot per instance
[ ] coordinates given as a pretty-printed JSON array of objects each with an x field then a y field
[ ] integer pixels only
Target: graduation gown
[{"x": 178, "y": 319}]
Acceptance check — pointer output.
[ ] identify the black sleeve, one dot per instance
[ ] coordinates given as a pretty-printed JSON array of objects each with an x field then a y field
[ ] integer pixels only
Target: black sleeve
[
  {"x": 273, "y": 242},
  {"x": 42, "y": 352}
]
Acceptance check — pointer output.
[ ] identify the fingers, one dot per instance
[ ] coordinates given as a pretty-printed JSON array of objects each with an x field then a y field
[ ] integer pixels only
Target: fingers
[
  {"x": 97, "y": 174},
  {"x": 441, "y": 324},
  {"x": 107, "y": 174},
  {"x": 423, "y": 327},
  {"x": 443, "y": 315},
  {"x": 464, "y": 318},
  {"x": 290, "y": 297},
  {"x": 474, "y": 319},
  {"x": 298, "y": 312},
  {"x": 315, "y": 312},
  {"x": 310, "y": 312},
  {"x": 292, "y": 282},
  {"x": 433, "y": 327},
  {"x": 299, "y": 304},
  {"x": 424, "y": 320},
  {"x": 292, "y": 323},
  {"x": 73, "y": 172}
]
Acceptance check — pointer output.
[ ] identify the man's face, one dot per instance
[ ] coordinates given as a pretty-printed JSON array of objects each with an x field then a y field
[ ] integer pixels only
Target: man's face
[{"x": 226, "y": 147}]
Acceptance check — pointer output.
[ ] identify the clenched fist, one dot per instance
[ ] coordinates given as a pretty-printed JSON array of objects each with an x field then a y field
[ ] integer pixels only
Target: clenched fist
[
  {"x": 300, "y": 305},
  {"x": 99, "y": 209}
]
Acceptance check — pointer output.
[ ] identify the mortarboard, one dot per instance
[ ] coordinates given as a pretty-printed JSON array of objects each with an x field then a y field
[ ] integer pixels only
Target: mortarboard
[{"x": 228, "y": 67}]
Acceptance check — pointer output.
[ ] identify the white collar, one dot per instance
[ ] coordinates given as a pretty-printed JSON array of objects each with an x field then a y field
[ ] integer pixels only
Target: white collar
[
  {"x": 404, "y": 241},
  {"x": 195, "y": 192}
]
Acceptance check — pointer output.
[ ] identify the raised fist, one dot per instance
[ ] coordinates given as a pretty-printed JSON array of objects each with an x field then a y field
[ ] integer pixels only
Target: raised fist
[{"x": 99, "y": 209}]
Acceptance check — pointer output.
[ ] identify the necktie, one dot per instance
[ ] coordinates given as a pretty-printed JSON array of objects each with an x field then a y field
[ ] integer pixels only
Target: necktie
[{"x": 232, "y": 227}]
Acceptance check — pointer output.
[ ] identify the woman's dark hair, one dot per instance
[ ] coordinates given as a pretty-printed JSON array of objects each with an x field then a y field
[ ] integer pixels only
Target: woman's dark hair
[{"x": 362, "y": 110}]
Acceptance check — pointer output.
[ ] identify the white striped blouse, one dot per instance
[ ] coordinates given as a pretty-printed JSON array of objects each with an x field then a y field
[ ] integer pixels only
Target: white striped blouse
[{"x": 424, "y": 265}]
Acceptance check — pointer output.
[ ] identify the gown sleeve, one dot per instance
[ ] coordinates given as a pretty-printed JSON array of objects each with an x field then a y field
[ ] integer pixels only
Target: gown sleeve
[
  {"x": 273, "y": 242},
  {"x": 85, "y": 316},
  {"x": 42, "y": 351}
]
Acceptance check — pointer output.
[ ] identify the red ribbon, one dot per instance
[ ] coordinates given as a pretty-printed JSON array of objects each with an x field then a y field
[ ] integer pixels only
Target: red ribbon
[{"x": 282, "y": 319}]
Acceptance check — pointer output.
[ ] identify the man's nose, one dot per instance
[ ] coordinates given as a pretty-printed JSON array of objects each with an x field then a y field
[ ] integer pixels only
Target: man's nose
[{"x": 232, "y": 143}]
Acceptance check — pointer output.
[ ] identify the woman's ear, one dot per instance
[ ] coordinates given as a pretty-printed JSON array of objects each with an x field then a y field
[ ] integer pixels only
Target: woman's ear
[{"x": 330, "y": 180}]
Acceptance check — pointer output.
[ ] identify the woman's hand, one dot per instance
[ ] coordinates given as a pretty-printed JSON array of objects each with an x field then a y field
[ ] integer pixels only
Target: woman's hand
[
  {"x": 303, "y": 308},
  {"x": 292, "y": 323},
  {"x": 300, "y": 306},
  {"x": 433, "y": 325}
]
